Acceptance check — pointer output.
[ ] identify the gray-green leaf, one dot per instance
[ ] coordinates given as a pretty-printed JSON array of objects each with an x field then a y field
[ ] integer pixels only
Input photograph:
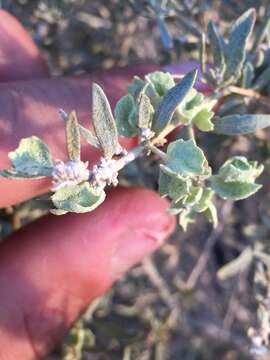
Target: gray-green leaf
[
  {"x": 241, "y": 124},
  {"x": 145, "y": 112},
  {"x": 237, "y": 43},
  {"x": 104, "y": 123},
  {"x": 126, "y": 116},
  {"x": 217, "y": 46},
  {"x": 233, "y": 190},
  {"x": 32, "y": 158},
  {"x": 78, "y": 198},
  {"x": 73, "y": 137},
  {"x": 171, "y": 100},
  {"x": 186, "y": 158}
]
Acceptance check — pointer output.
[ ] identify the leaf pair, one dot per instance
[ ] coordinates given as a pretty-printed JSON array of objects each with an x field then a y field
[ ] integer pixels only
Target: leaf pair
[
  {"x": 236, "y": 178},
  {"x": 229, "y": 56},
  {"x": 152, "y": 103}
]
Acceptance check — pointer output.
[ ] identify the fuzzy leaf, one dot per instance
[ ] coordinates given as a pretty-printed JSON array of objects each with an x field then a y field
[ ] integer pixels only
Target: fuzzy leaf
[
  {"x": 124, "y": 114},
  {"x": 204, "y": 201},
  {"x": 203, "y": 120},
  {"x": 233, "y": 190},
  {"x": 73, "y": 137},
  {"x": 241, "y": 124},
  {"x": 135, "y": 87},
  {"x": 162, "y": 81},
  {"x": 240, "y": 169},
  {"x": 237, "y": 43},
  {"x": 32, "y": 158},
  {"x": 194, "y": 197},
  {"x": 185, "y": 158},
  {"x": 217, "y": 46},
  {"x": 104, "y": 123},
  {"x": 78, "y": 198},
  {"x": 236, "y": 178},
  {"x": 236, "y": 266},
  {"x": 171, "y": 100},
  {"x": 145, "y": 112},
  {"x": 85, "y": 133},
  {"x": 186, "y": 217}
]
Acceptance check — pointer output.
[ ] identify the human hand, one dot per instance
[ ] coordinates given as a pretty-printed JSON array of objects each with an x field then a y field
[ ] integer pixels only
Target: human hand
[{"x": 51, "y": 269}]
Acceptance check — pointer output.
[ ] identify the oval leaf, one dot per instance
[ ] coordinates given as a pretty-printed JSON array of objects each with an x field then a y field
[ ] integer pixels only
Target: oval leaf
[
  {"x": 32, "y": 158},
  {"x": 73, "y": 137},
  {"x": 171, "y": 100},
  {"x": 104, "y": 123},
  {"x": 78, "y": 198},
  {"x": 145, "y": 112},
  {"x": 241, "y": 124}
]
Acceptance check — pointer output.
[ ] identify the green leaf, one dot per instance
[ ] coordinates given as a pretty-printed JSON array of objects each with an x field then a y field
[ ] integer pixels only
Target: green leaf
[
  {"x": 217, "y": 46},
  {"x": 196, "y": 100},
  {"x": 204, "y": 201},
  {"x": 136, "y": 86},
  {"x": 104, "y": 123},
  {"x": 186, "y": 217},
  {"x": 171, "y": 100},
  {"x": 211, "y": 214},
  {"x": 236, "y": 178},
  {"x": 172, "y": 185},
  {"x": 87, "y": 134},
  {"x": 237, "y": 43},
  {"x": 240, "y": 169},
  {"x": 186, "y": 158},
  {"x": 78, "y": 198},
  {"x": 236, "y": 266},
  {"x": 162, "y": 81},
  {"x": 233, "y": 190},
  {"x": 145, "y": 112},
  {"x": 73, "y": 137},
  {"x": 32, "y": 158},
  {"x": 203, "y": 120},
  {"x": 241, "y": 124},
  {"x": 124, "y": 114},
  {"x": 194, "y": 197}
]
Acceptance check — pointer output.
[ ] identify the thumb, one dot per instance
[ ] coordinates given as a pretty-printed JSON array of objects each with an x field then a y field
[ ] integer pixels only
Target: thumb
[{"x": 51, "y": 269}]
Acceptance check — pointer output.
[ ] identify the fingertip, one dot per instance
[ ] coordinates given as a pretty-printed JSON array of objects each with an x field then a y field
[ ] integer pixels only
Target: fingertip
[{"x": 54, "y": 267}]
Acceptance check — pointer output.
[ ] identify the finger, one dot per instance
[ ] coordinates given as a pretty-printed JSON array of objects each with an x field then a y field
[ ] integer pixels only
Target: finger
[
  {"x": 51, "y": 269},
  {"x": 19, "y": 56},
  {"x": 31, "y": 108}
]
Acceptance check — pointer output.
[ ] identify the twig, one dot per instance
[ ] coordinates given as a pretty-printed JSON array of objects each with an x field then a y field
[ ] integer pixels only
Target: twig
[{"x": 200, "y": 266}]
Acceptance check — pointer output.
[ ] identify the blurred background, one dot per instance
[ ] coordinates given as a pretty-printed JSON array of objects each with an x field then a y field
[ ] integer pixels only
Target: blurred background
[{"x": 172, "y": 306}]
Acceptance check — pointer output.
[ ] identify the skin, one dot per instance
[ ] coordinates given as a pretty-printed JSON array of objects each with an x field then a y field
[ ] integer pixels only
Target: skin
[{"x": 53, "y": 268}]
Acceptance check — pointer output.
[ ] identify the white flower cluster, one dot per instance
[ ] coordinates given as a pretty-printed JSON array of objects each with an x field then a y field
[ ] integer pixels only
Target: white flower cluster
[
  {"x": 105, "y": 173},
  {"x": 69, "y": 173}
]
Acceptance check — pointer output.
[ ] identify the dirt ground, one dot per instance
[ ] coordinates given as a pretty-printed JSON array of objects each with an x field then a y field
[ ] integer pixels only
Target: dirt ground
[{"x": 171, "y": 306}]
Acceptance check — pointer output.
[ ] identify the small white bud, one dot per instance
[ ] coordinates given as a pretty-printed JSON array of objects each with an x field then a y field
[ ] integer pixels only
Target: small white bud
[{"x": 69, "y": 173}]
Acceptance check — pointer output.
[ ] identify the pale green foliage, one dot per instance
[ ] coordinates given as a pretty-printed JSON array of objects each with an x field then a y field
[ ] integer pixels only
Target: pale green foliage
[
  {"x": 236, "y": 178},
  {"x": 185, "y": 166},
  {"x": 104, "y": 123},
  {"x": 73, "y": 137},
  {"x": 186, "y": 158},
  {"x": 125, "y": 113},
  {"x": 32, "y": 158},
  {"x": 79, "y": 198}
]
